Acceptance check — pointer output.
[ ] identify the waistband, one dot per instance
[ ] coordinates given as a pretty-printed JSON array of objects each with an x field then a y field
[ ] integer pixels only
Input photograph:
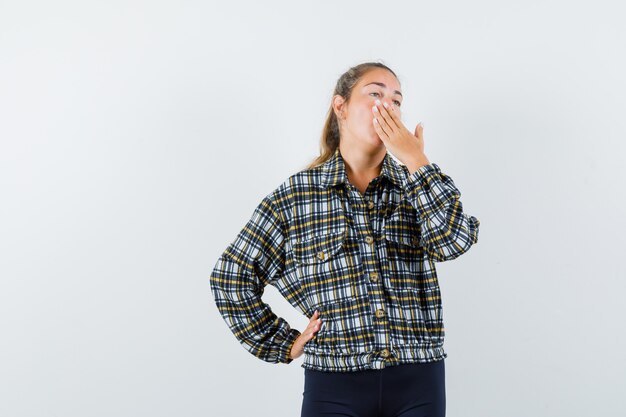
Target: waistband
[{"x": 348, "y": 362}]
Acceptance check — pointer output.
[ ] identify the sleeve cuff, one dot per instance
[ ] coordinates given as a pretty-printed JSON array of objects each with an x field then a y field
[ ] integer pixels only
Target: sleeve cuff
[
  {"x": 285, "y": 348},
  {"x": 421, "y": 177}
]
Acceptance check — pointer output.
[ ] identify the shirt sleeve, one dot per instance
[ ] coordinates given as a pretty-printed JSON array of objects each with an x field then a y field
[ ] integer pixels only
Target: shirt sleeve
[
  {"x": 446, "y": 232},
  {"x": 255, "y": 258}
]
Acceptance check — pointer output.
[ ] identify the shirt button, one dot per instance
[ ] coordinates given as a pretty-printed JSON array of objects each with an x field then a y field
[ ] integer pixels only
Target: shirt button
[
  {"x": 384, "y": 353},
  {"x": 369, "y": 239},
  {"x": 415, "y": 240},
  {"x": 380, "y": 313},
  {"x": 321, "y": 255},
  {"x": 374, "y": 276},
  {"x": 370, "y": 204}
]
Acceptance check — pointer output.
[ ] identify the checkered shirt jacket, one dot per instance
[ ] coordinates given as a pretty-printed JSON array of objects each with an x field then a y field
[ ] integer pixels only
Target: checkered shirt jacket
[{"x": 365, "y": 262}]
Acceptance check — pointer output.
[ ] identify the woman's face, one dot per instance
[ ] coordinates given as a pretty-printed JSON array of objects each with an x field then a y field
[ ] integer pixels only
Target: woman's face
[{"x": 357, "y": 118}]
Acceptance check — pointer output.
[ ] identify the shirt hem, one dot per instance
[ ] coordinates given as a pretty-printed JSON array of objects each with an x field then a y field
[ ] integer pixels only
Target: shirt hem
[{"x": 349, "y": 362}]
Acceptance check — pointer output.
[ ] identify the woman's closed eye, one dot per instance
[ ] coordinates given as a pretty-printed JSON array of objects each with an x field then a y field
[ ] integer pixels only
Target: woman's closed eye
[{"x": 395, "y": 101}]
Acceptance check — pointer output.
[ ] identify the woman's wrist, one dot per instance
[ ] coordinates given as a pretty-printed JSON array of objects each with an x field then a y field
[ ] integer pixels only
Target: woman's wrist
[{"x": 416, "y": 163}]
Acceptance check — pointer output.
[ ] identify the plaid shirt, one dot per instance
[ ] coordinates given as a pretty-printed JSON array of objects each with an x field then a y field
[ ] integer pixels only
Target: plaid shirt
[{"x": 365, "y": 262}]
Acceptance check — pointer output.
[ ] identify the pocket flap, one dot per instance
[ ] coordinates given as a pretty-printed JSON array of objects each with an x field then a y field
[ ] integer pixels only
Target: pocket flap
[
  {"x": 402, "y": 227},
  {"x": 318, "y": 248}
]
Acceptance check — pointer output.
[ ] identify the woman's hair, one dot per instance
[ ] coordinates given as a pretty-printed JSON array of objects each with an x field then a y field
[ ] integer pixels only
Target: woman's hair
[{"x": 330, "y": 133}]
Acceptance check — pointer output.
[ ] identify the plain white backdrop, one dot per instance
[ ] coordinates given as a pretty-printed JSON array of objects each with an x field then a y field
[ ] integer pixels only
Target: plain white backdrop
[{"x": 136, "y": 138}]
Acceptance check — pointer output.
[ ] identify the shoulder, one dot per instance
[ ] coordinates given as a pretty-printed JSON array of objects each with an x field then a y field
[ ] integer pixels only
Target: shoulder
[
  {"x": 303, "y": 181},
  {"x": 293, "y": 189}
]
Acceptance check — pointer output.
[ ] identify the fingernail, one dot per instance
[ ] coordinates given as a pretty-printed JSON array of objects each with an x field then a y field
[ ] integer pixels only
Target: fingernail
[
  {"x": 377, "y": 102},
  {"x": 385, "y": 104}
]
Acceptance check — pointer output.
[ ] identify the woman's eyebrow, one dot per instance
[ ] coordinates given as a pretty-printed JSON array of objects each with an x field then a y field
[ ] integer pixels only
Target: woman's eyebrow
[{"x": 384, "y": 86}]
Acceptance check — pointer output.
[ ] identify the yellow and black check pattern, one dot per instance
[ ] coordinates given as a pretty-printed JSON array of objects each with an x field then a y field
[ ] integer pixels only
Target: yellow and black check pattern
[{"x": 366, "y": 262}]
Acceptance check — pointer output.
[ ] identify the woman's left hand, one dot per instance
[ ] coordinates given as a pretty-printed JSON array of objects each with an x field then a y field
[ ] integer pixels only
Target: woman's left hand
[{"x": 406, "y": 146}]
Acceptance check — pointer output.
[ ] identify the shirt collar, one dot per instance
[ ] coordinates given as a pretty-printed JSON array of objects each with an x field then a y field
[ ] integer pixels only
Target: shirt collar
[{"x": 334, "y": 170}]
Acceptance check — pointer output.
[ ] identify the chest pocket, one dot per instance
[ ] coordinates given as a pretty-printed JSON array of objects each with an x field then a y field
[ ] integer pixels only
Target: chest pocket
[
  {"x": 401, "y": 232},
  {"x": 318, "y": 249},
  {"x": 327, "y": 270},
  {"x": 402, "y": 226}
]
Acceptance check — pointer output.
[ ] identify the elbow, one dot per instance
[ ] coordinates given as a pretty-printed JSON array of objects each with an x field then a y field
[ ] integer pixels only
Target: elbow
[
  {"x": 214, "y": 276},
  {"x": 451, "y": 243}
]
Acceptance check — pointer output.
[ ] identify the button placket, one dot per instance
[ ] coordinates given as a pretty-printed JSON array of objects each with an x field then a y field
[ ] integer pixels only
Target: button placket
[{"x": 361, "y": 213}]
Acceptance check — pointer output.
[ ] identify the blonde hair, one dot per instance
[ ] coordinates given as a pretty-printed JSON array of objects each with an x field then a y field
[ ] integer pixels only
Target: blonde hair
[{"x": 330, "y": 133}]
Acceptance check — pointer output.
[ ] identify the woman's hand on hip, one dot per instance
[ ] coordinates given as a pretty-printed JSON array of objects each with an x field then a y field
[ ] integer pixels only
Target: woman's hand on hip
[{"x": 314, "y": 325}]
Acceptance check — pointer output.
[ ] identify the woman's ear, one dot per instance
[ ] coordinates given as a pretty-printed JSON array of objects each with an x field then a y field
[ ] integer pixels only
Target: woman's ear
[{"x": 338, "y": 106}]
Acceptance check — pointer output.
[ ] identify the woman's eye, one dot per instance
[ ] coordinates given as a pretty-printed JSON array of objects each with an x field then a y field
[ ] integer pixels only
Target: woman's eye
[{"x": 395, "y": 101}]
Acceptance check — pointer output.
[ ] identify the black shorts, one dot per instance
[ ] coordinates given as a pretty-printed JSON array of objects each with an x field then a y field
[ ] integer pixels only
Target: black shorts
[{"x": 405, "y": 390}]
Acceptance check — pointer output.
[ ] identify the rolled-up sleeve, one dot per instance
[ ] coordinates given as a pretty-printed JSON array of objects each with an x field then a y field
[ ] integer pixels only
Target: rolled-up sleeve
[
  {"x": 254, "y": 259},
  {"x": 446, "y": 231}
]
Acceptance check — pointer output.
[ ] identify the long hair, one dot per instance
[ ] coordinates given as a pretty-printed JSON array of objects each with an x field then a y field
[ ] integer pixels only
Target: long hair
[{"x": 330, "y": 133}]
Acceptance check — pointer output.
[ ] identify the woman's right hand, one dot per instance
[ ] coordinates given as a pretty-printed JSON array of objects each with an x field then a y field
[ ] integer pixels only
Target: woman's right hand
[{"x": 298, "y": 346}]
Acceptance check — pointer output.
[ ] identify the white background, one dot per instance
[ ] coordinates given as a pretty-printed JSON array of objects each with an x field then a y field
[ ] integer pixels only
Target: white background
[{"x": 137, "y": 137}]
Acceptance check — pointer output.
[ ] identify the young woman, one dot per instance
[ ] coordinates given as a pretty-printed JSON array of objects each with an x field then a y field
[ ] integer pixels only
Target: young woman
[{"x": 351, "y": 242}]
